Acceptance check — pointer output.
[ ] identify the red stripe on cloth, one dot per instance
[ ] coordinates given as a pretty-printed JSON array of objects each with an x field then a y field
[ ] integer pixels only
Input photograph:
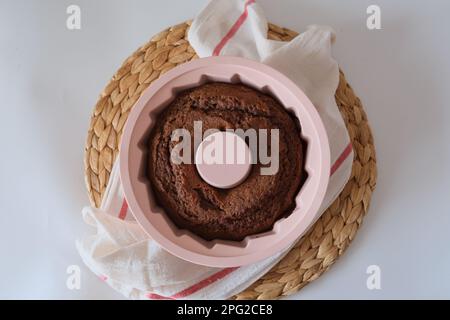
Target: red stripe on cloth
[
  {"x": 204, "y": 283},
  {"x": 103, "y": 277},
  {"x": 155, "y": 296},
  {"x": 344, "y": 155},
  {"x": 123, "y": 210},
  {"x": 233, "y": 29}
]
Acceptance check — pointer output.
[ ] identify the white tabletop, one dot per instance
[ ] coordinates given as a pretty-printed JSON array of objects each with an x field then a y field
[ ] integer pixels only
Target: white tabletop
[{"x": 51, "y": 78}]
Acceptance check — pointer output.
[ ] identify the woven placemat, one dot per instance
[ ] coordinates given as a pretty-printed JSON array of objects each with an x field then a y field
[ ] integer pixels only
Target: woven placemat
[{"x": 331, "y": 234}]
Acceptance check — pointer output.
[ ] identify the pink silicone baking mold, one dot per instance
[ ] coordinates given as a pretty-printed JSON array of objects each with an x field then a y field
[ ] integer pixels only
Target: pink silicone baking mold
[{"x": 137, "y": 189}]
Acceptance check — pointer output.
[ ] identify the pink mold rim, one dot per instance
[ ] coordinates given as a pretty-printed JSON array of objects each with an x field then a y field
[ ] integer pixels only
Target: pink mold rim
[{"x": 137, "y": 190}]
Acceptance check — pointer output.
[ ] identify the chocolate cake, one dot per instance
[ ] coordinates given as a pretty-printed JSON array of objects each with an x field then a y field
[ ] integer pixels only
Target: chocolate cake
[{"x": 250, "y": 207}]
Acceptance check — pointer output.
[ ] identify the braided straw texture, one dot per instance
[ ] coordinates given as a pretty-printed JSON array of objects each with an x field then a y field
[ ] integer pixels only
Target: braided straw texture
[{"x": 326, "y": 240}]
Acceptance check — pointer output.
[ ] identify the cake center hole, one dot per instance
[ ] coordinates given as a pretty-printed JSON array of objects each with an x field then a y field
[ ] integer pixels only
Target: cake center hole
[{"x": 223, "y": 160}]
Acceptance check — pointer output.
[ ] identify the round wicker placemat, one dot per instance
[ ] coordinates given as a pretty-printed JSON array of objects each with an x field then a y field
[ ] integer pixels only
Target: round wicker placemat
[{"x": 330, "y": 235}]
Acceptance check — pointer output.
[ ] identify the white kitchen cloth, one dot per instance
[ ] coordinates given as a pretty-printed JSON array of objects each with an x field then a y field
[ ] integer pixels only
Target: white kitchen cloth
[{"x": 121, "y": 253}]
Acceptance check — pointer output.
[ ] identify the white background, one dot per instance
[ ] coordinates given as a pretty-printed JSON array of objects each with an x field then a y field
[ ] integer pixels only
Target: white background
[{"x": 51, "y": 77}]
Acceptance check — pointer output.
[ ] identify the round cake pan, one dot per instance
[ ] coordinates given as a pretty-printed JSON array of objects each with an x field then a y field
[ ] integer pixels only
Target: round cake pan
[{"x": 134, "y": 154}]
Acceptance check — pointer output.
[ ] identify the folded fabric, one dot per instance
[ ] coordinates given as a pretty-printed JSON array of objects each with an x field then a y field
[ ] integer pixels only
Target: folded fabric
[{"x": 122, "y": 254}]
